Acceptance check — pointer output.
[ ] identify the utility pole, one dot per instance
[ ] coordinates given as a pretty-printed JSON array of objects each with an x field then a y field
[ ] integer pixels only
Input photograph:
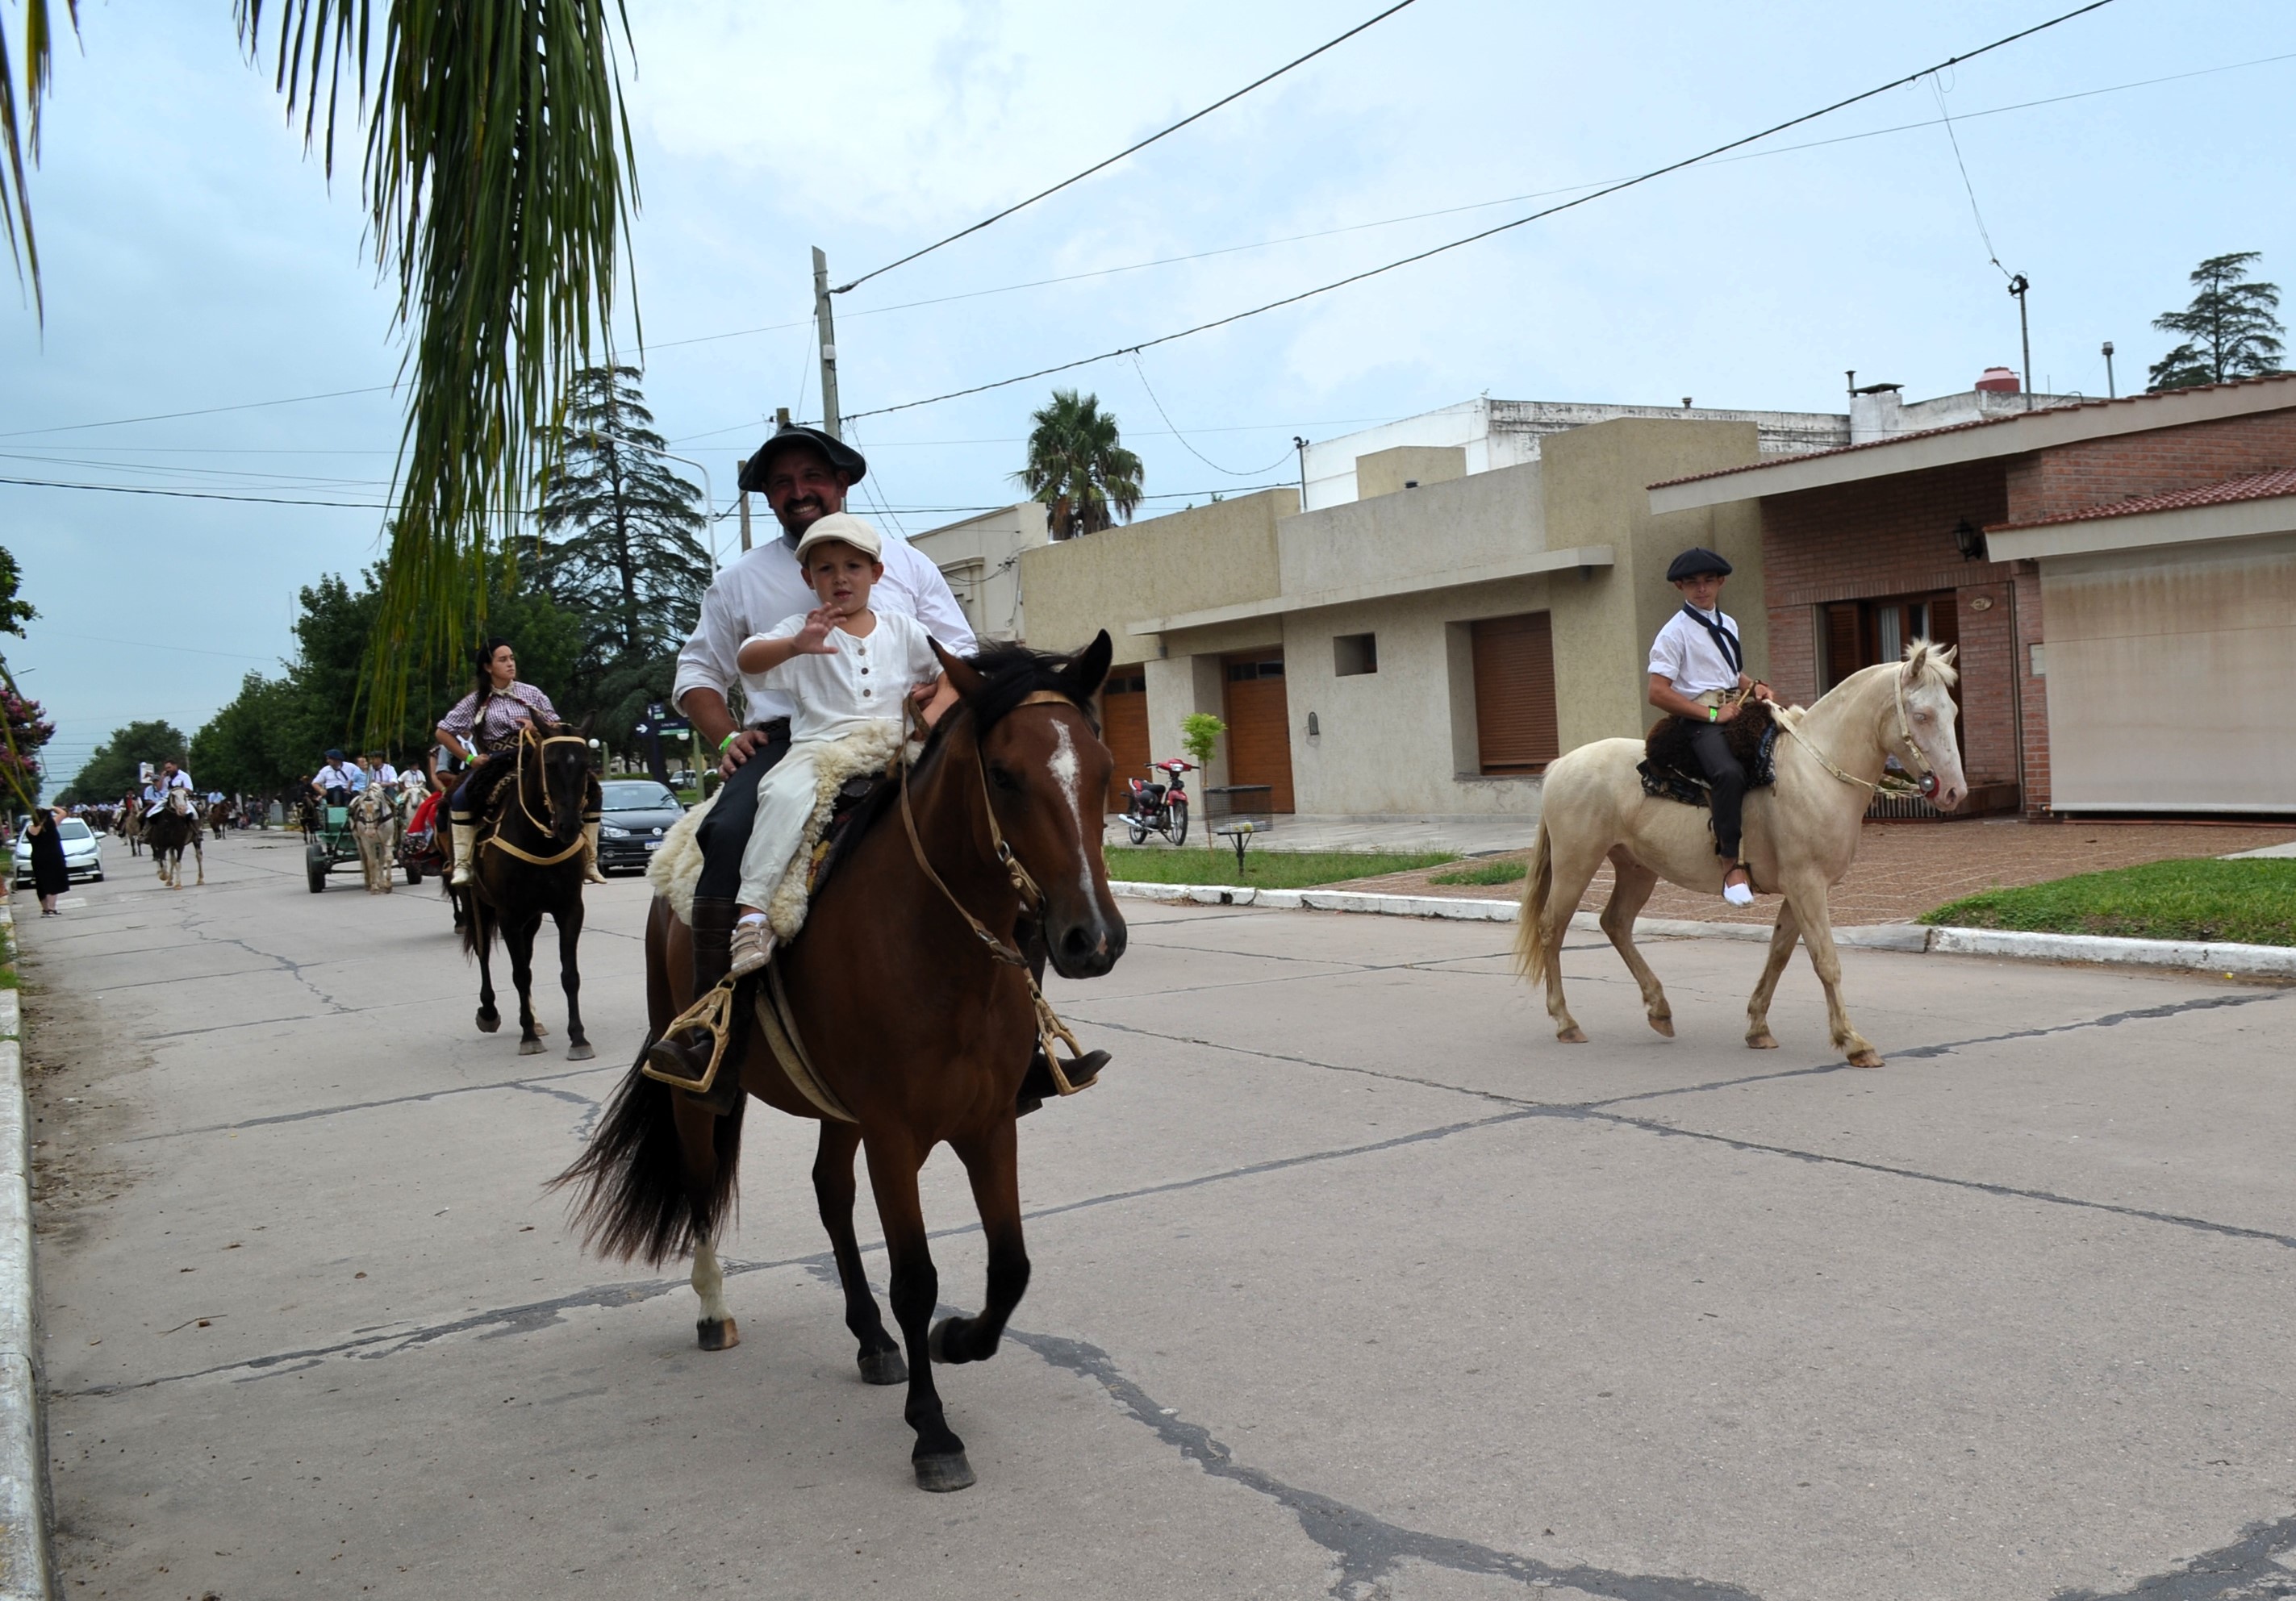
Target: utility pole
[
  {"x": 827, "y": 330},
  {"x": 1300, "y": 446},
  {"x": 740, "y": 468},
  {"x": 2110, "y": 392},
  {"x": 2017, "y": 287}
]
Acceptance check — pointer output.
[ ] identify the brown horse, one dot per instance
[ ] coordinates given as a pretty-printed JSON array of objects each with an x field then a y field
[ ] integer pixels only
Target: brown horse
[
  {"x": 530, "y": 862},
  {"x": 167, "y": 829},
  {"x": 1005, "y": 809}
]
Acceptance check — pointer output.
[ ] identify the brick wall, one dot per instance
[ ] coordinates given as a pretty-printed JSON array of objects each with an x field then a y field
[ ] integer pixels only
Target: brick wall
[{"x": 2073, "y": 478}]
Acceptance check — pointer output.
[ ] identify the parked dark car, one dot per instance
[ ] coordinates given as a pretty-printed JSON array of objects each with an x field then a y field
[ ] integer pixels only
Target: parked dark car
[{"x": 636, "y": 813}]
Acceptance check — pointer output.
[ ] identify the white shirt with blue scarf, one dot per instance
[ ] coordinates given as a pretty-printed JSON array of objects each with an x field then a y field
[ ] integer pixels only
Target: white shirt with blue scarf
[{"x": 1686, "y": 655}]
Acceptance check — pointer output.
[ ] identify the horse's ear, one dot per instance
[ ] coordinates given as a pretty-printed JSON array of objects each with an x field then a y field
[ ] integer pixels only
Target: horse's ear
[
  {"x": 961, "y": 675},
  {"x": 1088, "y": 668},
  {"x": 1917, "y": 655}
]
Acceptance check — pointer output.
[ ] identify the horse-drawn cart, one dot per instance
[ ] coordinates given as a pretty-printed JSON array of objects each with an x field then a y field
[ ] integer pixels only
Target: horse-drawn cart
[{"x": 329, "y": 841}]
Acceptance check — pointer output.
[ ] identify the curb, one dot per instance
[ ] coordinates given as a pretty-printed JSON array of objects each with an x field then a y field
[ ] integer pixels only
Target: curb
[
  {"x": 2254, "y": 961},
  {"x": 23, "y": 1477}
]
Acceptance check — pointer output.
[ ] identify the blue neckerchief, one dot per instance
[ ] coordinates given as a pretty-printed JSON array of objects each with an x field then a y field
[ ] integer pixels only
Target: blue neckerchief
[{"x": 1724, "y": 639}]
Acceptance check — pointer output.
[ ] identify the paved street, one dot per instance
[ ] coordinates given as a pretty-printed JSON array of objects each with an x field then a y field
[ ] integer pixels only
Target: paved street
[{"x": 1350, "y": 1280}]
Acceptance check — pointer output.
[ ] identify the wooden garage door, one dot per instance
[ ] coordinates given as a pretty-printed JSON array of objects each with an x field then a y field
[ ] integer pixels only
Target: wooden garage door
[
  {"x": 1124, "y": 726},
  {"x": 1258, "y": 728},
  {"x": 1514, "y": 693}
]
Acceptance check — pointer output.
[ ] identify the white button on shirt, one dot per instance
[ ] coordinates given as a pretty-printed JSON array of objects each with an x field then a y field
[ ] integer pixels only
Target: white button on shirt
[
  {"x": 767, "y": 586},
  {"x": 1686, "y": 654}
]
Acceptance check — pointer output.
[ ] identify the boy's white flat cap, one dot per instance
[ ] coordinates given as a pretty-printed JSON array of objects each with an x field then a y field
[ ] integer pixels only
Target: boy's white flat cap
[{"x": 844, "y": 528}]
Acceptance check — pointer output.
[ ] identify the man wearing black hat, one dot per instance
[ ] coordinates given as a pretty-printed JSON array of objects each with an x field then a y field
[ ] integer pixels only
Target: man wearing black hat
[
  {"x": 804, "y": 474},
  {"x": 1698, "y": 672}
]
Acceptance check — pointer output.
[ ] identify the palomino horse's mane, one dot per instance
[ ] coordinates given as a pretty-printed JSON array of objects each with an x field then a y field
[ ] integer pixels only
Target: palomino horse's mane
[{"x": 1013, "y": 672}]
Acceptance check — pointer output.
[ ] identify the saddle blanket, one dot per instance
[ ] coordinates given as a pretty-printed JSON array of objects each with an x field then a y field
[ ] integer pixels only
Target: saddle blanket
[
  {"x": 844, "y": 771},
  {"x": 1671, "y": 770}
]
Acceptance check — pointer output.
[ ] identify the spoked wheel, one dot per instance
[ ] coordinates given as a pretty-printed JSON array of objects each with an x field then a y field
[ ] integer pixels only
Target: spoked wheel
[
  {"x": 1137, "y": 830},
  {"x": 1175, "y": 827}
]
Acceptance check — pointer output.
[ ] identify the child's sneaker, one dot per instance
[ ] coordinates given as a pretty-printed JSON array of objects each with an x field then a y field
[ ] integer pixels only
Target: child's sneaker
[{"x": 753, "y": 946}]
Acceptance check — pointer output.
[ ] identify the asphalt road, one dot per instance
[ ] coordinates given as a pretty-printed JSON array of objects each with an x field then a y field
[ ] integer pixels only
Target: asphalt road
[{"x": 1350, "y": 1280}]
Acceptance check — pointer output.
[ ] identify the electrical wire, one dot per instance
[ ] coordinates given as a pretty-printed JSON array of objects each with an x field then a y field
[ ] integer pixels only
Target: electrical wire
[
  {"x": 1128, "y": 150},
  {"x": 1475, "y": 238},
  {"x": 1183, "y": 438},
  {"x": 1991, "y": 255},
  {"x": 249, "y": 406}
]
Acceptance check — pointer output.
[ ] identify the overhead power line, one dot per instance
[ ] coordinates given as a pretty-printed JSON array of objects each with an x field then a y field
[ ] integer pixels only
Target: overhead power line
[
  {"x": 1625, "y": 184},
  {"x": 1127, "y": 150},
  {"x": 207, "y": 411}
]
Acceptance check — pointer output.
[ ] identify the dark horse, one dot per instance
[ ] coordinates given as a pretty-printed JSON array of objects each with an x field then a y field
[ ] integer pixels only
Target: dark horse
[
  {"x": 908, "y": 1019},
  {"x": 530, "y": 862},
  {"x": 167, "y": 829}
]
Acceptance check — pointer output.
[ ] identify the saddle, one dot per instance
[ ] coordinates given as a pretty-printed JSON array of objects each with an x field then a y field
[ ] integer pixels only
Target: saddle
[{"x": 1670, "y": 769}]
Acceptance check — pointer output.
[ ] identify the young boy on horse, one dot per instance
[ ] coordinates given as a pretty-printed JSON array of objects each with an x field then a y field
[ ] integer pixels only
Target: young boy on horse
[
  {"x": 1698, "y": 673},
  {"x": 842, "y": 666}
]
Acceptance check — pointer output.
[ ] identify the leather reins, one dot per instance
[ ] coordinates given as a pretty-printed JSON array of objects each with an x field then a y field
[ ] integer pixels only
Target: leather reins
[
  {"x": 527, "y": 736},
  {"x": 1049, "y": 1025},
  {"x": 1924, "y": 783}
]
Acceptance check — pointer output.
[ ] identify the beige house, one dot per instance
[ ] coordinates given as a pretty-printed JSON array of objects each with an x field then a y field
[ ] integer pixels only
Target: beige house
[
  {"x": 981, "y": 557},
  {"x": 1421, "y": 650}
]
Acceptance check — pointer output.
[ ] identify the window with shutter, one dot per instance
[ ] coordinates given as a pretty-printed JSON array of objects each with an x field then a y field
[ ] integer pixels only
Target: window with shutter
[{"x": 1514, "y": 693}]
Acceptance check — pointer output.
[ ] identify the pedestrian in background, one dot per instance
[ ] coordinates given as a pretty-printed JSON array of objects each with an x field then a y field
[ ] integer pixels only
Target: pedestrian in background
[{"x": 50, "y": 876}]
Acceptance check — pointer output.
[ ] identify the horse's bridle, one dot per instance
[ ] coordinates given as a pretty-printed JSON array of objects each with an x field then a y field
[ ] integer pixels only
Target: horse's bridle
[
  {"x": 527, "y": 737},
  {"x": 1024, "y": 885},
  {"x": 1925, "y": 782}
]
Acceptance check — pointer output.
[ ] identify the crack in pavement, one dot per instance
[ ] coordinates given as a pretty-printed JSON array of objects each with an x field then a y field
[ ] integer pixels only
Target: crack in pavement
[
  {"x": 2258, "y": 1566},
  {"x": 364, "y": 1106}
]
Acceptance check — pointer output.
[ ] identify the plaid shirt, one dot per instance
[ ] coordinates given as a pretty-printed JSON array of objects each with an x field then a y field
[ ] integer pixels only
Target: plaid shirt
[{"x": 497, "y": 726}]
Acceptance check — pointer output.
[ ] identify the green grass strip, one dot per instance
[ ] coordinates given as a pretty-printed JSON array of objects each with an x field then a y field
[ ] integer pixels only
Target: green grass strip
[
  {"x": 2241, "y": 903},
  {"x": 1483, "y": 872},
  {"x": 1262, "y": 870}
]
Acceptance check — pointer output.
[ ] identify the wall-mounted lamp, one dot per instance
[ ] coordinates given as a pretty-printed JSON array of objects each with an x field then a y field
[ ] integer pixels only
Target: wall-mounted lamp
[
  {"x": 1314, "y": 728},
  {"x": 1969, "y": 539}
]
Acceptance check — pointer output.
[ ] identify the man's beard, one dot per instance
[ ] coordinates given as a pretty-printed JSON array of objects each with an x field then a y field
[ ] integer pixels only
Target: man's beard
[{"x": 788, "y": 514}]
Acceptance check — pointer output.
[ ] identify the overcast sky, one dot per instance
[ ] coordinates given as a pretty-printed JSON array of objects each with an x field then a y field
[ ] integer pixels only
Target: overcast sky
[{"x": 195, "y": 260}]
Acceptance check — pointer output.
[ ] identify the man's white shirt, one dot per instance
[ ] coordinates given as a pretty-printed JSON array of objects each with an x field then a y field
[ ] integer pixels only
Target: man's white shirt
[
  {"x": 345, "y": 777},
  {"x": 766, "y": 585},
  {"x": 1685, "y": 654}
]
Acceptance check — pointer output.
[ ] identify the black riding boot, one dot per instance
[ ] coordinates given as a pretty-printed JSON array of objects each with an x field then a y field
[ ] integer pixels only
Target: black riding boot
[
  {"x": 687, "y": 1056},
  {"x": 1038, "y": 1085}
]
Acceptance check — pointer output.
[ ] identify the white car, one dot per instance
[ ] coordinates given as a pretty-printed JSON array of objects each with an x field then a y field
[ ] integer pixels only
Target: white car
[{"x": 83, "y": 852}]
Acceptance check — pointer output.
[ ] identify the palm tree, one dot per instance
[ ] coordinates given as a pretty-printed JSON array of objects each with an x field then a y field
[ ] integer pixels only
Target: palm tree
[
  {"x": 1078, "y": 467},
  {"x": 497, "y": 179}
]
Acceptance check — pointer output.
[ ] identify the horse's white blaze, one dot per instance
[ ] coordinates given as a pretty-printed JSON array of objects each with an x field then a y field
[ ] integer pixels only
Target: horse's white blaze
[
  {"x": 1068, "y": 772},
  {"x": 709, "y": 1283}
]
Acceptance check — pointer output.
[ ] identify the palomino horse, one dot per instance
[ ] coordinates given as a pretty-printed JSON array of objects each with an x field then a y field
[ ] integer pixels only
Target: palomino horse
[
  {"x": 917, "y": 1023},
  {"x": 1800, "y": 833},
  {"x": 131, "y": 825},
  {"x": 374, "y": 826},
  {"x": 167, "y": 829},
  {"x": 528, "y": 862}
]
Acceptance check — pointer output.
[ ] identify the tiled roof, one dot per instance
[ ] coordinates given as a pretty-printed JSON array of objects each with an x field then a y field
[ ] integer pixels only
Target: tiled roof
[
  {"x": 1963, "y": 427},
  {"x": 2251, "y": 487}
]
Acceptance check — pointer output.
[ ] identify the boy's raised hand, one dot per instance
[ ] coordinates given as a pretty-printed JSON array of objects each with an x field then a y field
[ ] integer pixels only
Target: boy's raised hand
[{"x": 813, "y": 639}]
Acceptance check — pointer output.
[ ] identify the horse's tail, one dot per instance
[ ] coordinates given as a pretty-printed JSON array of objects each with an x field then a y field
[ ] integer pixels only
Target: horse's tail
[
  {"x": 1531, "y": 952},
  {"x": 632, "y": 1198}
]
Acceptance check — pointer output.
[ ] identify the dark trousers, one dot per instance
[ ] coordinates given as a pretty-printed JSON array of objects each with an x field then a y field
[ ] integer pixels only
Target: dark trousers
[
  {"x": 1727, "y": 781},
  {"x": 726, "y": 832},
  {"x": 462, "y": 805}
]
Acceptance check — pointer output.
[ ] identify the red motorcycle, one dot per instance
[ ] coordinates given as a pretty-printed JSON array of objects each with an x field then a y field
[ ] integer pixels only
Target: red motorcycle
[{"x": 1161, "y": 808}]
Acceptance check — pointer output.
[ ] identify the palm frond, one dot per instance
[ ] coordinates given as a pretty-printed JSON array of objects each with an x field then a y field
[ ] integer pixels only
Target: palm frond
[
  {"x": 497, "y": 175},
  {"x": 19, "y": 131}
]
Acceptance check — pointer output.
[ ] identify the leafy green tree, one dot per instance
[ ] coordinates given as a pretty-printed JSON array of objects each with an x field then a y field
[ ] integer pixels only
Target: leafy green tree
[
  {"x": 497, "y": 179},
  {"x": 24, "y": 729},
  {"x": 2229, "y": 329},
  {"x": 249, "y": 746},
  {"x": 112, "y": 770},
  {"x": 621, "y": 550},
  {"x": 1078, "y": 467}
]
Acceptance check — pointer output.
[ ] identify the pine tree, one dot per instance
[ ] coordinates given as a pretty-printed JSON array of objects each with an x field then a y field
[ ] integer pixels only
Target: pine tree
[
  {"x": 2229, "y": 329},
  {"x": 621, "y": 549},
  {"x": 1077, "y": 465}
]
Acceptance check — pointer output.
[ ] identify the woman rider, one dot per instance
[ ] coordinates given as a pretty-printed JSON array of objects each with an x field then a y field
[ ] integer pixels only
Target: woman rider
[{"x": 483, "y": 729}]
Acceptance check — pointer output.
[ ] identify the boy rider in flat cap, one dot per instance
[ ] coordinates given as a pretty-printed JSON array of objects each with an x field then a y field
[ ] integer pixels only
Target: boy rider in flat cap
[{"x": 1695, "y": 661}]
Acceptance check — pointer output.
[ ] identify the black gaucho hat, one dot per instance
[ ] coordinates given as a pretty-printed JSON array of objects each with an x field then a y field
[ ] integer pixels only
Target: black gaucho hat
[
  {"x": 1695, "y": 561},
  {"x": 842, "y": 456}
]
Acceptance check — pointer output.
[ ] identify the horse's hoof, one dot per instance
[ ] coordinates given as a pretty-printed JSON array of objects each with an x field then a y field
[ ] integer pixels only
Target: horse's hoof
[
  {"x": 1868, "y": 1057},
  {"x": 941, "y": 1475},
  {"x": 1664, "y": 1025},
  {"x": 580, "y": 1053},
  {"x": 883, "y": 1367},
  {"x": 1572, "y": 1035},
  {"x": 1764, "y": 1040},
  {"x": 937, "y": 1342},
  {"x": 720, "y": 1335},
  {"x": 488, "y": 1022},
  {"x": 529, "y": 1047}
]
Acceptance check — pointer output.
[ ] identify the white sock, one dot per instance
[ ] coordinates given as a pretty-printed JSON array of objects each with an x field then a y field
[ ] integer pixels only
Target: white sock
[
  {"x": 751, "y": 917},
  {"x": 1738, "y": 894}
]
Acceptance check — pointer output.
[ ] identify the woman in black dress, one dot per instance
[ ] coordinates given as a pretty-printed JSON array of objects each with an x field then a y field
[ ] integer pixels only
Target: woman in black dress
[{"x": 50, "y": 876}]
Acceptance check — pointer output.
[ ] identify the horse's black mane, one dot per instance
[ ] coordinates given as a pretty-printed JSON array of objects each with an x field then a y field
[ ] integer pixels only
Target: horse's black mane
[{"x": 1014, "y": 672}]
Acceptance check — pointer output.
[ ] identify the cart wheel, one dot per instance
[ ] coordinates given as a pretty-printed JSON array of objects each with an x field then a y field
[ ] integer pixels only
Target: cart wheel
[
  {"x": 1176, "y": 830},
  {"x": 315, "y": 867}
]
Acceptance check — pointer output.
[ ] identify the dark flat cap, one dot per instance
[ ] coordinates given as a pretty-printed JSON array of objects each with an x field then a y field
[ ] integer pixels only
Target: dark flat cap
[
  {"x": 1695, "y": 561},
  {"x": 840, "y": 456}
]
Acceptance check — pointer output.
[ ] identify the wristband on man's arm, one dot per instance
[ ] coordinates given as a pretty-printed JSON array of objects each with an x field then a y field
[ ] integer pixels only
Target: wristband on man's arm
[{"x": 727, "y": 742}]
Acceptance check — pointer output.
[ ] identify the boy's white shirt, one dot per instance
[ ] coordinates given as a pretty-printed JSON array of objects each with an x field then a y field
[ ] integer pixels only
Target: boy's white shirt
[
  {"x": 866, "y": 681},
  {"x": 1686, "y": 655}
]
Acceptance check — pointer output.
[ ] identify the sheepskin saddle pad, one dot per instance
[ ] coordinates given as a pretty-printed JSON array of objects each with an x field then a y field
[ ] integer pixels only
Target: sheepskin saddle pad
[
  {"x": 845, "y": 772},
  {"x": 1671, "y": 770}
]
